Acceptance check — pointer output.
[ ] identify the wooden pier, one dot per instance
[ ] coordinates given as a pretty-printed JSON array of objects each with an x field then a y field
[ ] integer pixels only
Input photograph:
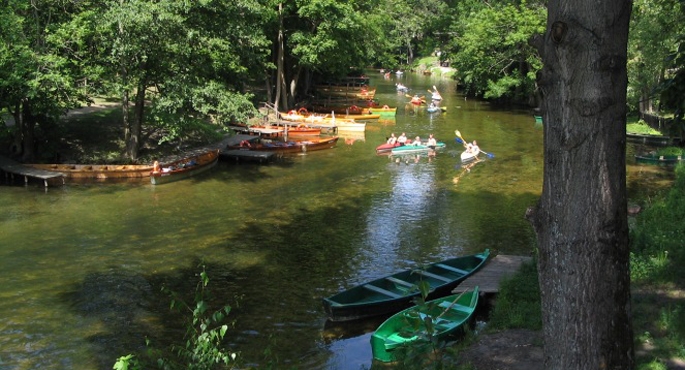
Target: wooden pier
[
  {"x": 12, "y": 168},
  {"x": 489, "y": 276}
]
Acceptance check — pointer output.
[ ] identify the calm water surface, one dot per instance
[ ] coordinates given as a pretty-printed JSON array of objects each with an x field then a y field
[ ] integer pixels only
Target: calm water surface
[{"x": 82, "y": 265}]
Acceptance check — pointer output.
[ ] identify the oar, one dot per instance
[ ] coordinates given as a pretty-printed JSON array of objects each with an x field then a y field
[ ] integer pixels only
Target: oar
[
  {"x": 456, "y": 132},
  {"x": 490, "y": 155}
]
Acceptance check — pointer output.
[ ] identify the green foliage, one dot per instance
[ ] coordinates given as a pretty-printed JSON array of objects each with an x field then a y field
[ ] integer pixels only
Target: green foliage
[
  {"x": 641, "y": 127},
  {"x": 492, "y": 54},
  {"x": 671, "y": 151},
  {"x": 656, "y": 238},
  {"x": 205, "y": 331},
  {"x": 518, "y": 302}
]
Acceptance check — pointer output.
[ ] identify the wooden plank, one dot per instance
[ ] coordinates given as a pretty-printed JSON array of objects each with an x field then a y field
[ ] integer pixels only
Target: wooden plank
[
  {"x": 382, "y": 291},
  {"x": 488, "y": 278},
  {"x": 451, "y": 268},
  {"x": 400, "y": 282},
  {"x": 11, "y": 167},
  {"x": 434, "y": 276}
]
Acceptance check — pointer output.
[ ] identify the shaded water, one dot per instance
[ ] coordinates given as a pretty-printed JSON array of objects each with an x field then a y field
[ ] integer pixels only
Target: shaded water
[{"x": 82, "y": 265}]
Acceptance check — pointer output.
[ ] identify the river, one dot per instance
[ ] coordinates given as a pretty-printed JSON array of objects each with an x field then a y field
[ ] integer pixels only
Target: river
[{"x": 82, "y": 265}]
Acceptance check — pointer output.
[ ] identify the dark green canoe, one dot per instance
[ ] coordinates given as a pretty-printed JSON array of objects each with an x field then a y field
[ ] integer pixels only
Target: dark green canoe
[
  {"x": 436, "y": 319},
  {"x": 393, "y": 293},
  {"x": 658, "y": 159}
]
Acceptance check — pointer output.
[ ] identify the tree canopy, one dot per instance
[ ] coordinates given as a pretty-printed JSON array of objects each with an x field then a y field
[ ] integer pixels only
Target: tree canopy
[{"x": 174, "y": 65}]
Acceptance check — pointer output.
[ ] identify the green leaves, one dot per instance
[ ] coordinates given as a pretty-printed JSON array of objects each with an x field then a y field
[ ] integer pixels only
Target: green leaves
[{"x": 492, "y": 53}]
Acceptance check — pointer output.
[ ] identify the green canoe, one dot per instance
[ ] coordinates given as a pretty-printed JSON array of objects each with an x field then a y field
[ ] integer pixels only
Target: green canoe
[
  {"x": 437, "y": 319},
  {"x": 393, "y": 293}
]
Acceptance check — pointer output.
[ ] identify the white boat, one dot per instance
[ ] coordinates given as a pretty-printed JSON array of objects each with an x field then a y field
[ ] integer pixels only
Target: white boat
[
  {"x": 351, "y": 126},
  {"x": 468, "y": 156}
]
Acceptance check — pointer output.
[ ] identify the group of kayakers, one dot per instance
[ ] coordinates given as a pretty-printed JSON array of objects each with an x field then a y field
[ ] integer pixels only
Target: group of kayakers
[{"x": 403, "y": 140}]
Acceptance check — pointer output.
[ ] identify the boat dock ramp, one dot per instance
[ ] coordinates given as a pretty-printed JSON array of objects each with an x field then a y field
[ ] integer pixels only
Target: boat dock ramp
[
  {"x": 489, "y": 276},
  {"x": 11, "y": 168}
]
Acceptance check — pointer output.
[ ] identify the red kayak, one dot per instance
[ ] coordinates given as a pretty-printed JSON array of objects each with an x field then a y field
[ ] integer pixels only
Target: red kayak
[
  {"x": 387, "y": 148},
  {"x": 383, "y": 148}
]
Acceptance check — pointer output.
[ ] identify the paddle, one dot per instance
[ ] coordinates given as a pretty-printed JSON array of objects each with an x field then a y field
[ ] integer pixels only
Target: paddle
[{"x": 490, "y": 155}]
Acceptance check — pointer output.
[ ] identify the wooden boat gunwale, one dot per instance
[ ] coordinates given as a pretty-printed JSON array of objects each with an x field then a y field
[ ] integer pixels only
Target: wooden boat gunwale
[{"x": 179, "y": 169}]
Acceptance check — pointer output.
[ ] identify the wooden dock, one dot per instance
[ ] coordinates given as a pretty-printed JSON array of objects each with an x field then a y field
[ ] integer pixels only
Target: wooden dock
[
  {"x": 247, "y": 155},
  {"x": 12, "y": 168},
  {"x": 489, "y": 276}
]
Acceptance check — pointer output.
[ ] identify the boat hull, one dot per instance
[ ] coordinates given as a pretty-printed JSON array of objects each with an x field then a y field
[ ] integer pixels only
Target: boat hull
[
  {"x": 384, "y": 112},
  {"x": 181, "y": 169},
  {"x": 292, "y": 147},
  {"x": 660, "y": 160},
  {"x": 467, "y": 156},
  {"x": 97, "y": 172},
  {"x": 436, "y": 319},
  {"x": 395, "y": 292}
]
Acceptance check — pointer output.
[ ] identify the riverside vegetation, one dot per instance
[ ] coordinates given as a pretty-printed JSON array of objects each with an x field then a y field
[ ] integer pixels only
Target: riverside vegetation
[
  {"x": 656, "y": 255},
  {"x": 658, "y": 304}
]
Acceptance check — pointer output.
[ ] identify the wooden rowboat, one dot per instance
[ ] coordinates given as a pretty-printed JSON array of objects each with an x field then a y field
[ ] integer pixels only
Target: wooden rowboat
[
  {"x": 98, "y": 172},
  {"x": 436, "y": 319},
  {"x": 184, "y": 168},
  {"x": 290, "y": 146},
  {"x": 395, "y": 292}
]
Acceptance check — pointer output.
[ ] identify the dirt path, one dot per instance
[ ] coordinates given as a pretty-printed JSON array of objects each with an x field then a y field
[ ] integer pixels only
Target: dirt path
[{"x": 515, "y": 349}]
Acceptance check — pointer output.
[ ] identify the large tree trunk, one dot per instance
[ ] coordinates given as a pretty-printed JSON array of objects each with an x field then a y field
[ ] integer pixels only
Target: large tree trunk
[{"x": 581, "y": 219}]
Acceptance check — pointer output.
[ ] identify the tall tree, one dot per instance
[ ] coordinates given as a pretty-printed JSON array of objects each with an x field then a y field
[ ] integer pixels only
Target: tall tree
[
  {"x": 581, "y": 218},
  {"x": 494, "y": 59},
  {"x": 40, "y": 70}
]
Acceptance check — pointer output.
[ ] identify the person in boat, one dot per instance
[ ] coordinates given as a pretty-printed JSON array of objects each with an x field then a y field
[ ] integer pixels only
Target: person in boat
[
  {"x": 474, "y": 148},
  {"x": 416, "y": 100},
  {"x": 432, "y": 143},
  {"x": 416, "y": 141},
  {"x": 392, "y": 140},
  {"x": 402, "y": 140}
]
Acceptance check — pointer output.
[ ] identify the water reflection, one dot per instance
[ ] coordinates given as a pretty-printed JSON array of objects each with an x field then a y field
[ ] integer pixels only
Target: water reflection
[{"x": 83, "y": 264}]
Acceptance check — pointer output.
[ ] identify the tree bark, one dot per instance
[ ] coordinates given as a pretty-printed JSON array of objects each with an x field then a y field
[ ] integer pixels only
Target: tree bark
[{"x": 581, "y": 218}]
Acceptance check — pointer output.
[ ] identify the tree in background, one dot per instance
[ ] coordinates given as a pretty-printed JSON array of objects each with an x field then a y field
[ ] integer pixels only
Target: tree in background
[
  {"x": 654, "y": 29},
  {"x": 180, "y": 63},
  {"x": 581, "y": 219},
  {"x": 491, "y": 52},
  {"x": 40, "y": 71}
]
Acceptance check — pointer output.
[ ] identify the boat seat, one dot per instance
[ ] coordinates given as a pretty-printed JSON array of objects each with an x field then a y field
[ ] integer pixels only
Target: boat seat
[
  {"x": 400, "y": 282},
  {"x": 456, "y": 306},
  {"x": 395, "y": 340},
  {"x": 382, "y": 291},
  {"x": 434, "y": 276},
  {"x": 451, "y": 268}
]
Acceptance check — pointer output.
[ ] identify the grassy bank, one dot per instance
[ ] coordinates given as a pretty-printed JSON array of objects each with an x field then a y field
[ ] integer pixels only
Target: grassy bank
[{"x": 658, "y": 285}]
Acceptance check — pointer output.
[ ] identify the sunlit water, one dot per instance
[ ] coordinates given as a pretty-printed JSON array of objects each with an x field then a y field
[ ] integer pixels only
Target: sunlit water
[{"x": 82, "y": 265}]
